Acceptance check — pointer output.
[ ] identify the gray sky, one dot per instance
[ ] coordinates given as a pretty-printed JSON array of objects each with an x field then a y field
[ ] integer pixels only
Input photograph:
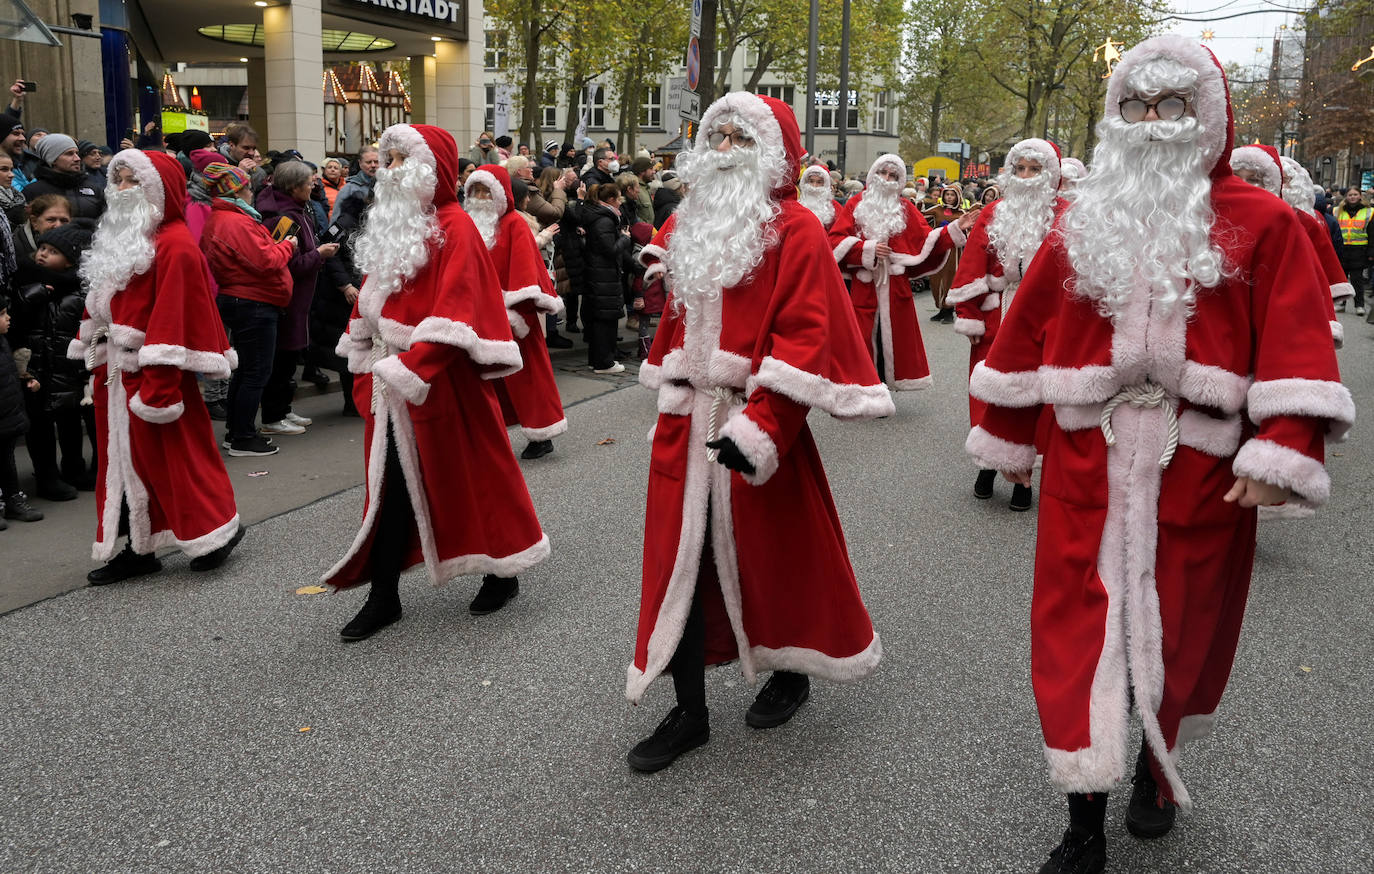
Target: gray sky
[{"x": 1237, "y": 38}]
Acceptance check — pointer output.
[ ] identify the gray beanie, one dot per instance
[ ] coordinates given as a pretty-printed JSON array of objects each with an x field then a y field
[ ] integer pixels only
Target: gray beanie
[{"x": 52, "y": 145}]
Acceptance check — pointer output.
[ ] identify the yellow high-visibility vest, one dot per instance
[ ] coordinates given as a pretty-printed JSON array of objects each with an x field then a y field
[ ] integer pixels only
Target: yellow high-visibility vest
[{"x": 1355, "y": 228}]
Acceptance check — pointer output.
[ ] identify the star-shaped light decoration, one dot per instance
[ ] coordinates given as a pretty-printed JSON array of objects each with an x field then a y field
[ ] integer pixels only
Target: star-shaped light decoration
[{"x": 1208, "y": 35}]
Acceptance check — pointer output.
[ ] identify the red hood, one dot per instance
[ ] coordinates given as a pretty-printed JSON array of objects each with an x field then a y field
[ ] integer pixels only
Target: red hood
[
  {"x": 497, "y": 181},
  {"x": 431, "y": 145},
  {"x": 162, "y": 178}
]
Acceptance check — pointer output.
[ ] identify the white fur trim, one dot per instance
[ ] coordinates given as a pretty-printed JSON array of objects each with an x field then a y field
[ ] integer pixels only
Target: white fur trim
[
  {"x": 993, "y": 453},
  {"x": 997, "y": 283},
  {"x": 968, "y": 291},
  {"x": 402, "y": 379},
  {"x": 1304, "y": 397},
  {"x": 1260, "y": 161},
  {"x": 992, "y": 302},
  {"x": 213, "y": 364},
  {"x": 1017, "y": 389},
  {"x": 843, "y": 246},
  {"x": 888, "y": 160},
  {"x": 544, "y": 303},
  {"x": 1039, "y": 150},
  {"x": 675, "y": 399},
  {"x": 869, "y": 258},
  {"x": 920, "y": 384},
  {"x": 487, "y": 178},
  {"x": 757, "y": 114},
  {"x": 650, "y": 375},
  {"x": 957, "y": 234},
  {"x": 1279, "y": 465},
  {"x": 518, "y": 326},
  {"x": 1210, "y": 100},
  {"x": 1077, "y": 417},
  {"x": 548, "y": 433},
  {"x": 1208, "y": 435},
  {"x": 756, "y": 446},
  {"x": 840, "y": 401},
  {"x": 654, "y": 271},
  {"x": 1212, "y": 386},
  {"x": 148, "y": 178},
  {"x": 410, "y": 142},
  {"x": 1337, "y": 335},
  {"x": 76, "y": 351},
  {"x": 1342, "y": 289},
  {"x": 970, "y": 327},
  {"x": 900, "y": 261},
  {"x": 1285, "y": 511},
  {"x": 1090, "y": 384},
  {"x": 485, "y": 352},
  {"x": 155, "y": 415},
  {"x": 652, "y": 251}
]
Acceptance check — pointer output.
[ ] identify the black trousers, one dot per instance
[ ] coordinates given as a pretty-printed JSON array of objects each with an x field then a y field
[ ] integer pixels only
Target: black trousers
[
  {"x": 599, "y": 334},
  {"x": 281, "y": 385},
  {"x": 9, "y": 474},
  {"x": 395, "y": 522},
  {"x": 49, "y": 429},
  {"x": 689, "y": 660}
]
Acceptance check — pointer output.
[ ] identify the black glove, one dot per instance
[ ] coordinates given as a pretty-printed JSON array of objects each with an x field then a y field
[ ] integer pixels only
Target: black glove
[{"x": 729, "y": 455}]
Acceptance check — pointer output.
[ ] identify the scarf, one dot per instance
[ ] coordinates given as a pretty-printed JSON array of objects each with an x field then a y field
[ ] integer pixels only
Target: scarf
[{"x": 243, "y": 205}]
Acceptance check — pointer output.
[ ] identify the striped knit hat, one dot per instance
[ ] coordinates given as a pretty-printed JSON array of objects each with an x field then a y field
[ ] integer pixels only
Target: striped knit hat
[{"x": 224, "y": 180}]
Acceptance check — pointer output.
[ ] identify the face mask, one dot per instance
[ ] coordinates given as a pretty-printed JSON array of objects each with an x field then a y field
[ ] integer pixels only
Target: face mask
[{"x": 614, "y": 167}]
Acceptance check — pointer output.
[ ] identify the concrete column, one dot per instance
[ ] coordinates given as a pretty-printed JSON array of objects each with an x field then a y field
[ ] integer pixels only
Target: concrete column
[
  {"x": 294, "y": 66},
  {"x": 460, "y": 82},
  {"x": 424, "y": 106},
  {"x": 257, "y": 98}
]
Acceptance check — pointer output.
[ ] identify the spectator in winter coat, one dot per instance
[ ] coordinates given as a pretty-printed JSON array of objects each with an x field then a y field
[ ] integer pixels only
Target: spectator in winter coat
[
  {"x": 332, "y": 173},
  {"x": 603, "y": 169},
  {"x": 283, "y": 205},
  {"x": 12, "y": 201},
  {"x": 63, "y": 174},
  {"x": 14, "y": 504},
  {"x": 607, "y": 260},
  {"x": 240, "y": 149},
  {"x": 254, "y": 286},
  {"x": 667, "y": 197},
  {"x": 13, "y": 146},
  {"x": 360, "y": 184},
  {"x": 91, "y": 163},
  {"x": 643, "y": 169},
  {"x": 549, "y": 157},
  {"x": 484, "y": 150}
]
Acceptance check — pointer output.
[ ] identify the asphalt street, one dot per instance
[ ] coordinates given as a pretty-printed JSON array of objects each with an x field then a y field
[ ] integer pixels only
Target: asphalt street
[{"x": 216, "y": 723}]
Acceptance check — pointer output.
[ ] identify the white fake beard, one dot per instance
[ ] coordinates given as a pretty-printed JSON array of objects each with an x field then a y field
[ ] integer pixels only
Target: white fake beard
[
  {"x": 394, "y": 242},
  {"x": 881, "y": 214},
  {"x": 1022, "y": 219},
  {"x": 1300, "y": 194},
  {"x": 123, "y": 245},
  {"x": 1144, "y": 215},
  {"x": 819, "y": 201},
  {"x": 486, "y": 215},
  {"x": 723, "y": 227}
]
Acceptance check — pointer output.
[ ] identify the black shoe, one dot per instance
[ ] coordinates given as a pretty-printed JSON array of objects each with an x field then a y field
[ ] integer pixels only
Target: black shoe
[
  {"x": 779, "y": 698},
  {"x": 494, "y": 594},
  {"x": 316, "y": 376},
  {"x": 1080, "y": 852},
  {"x": 537, "y": 449},
  {"x": 573, "y": 328},
  {"x": 55, "y": 490},
  {"x": 948, "y": 317},
  {"x": 982, "y": 486},
  {"x": 211, "y": 560},
  {"x": 4, "y": 526},
  {"x": 350, "y": 410},
  {"x": 679, "y": 732},
  {"x": 939, "y": 316},
  {"x": 1020, "y": 498},
  {"x": 82, "y": 482},
  {"x": 125, "y": 566},
  {"x": 558, "y": 341},
  {"x": 1149, "y": 814},
  {"x": 253, "y": 446},
  {"x": 219, "y": 410},
  {"x": 376, "y": 614},
  {"x": 17, "y": 507}
]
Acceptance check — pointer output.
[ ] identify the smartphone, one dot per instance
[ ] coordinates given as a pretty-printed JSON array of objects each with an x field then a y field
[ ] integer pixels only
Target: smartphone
[
  {"x": 129, "y": 134},
  {"x": 285, "y": 227},
  {"x": 28, "y": 86}
]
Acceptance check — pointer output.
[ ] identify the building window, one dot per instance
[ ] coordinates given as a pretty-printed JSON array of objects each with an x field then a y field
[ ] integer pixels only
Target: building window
[
  {"x": 495, "y": 56},
  {"x": 785, "y": 93},
  {"x": 596, "y": 118},
  {"x": 751, "y": 57},
  {"x": 489, "y": 120},
  {"x": 827, "y": 116},
  {"x": 548, "y": 100},
  {"x": 880, "y": 124},
  {"x": 651, "y": 109}
]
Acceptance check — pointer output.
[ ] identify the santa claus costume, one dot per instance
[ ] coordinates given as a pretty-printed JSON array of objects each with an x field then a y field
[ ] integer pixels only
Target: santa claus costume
[
  {"x": 1191, "y": 375},
  {"x": 149, "y": 329},
  {"x": 881, "y": 287},
  {"x": 1003, "y": 241},
  {"x": 430, "y": 329},
  {"x": 744, "y": 557},
  {"x": 816, "y": 194},
  {"x": 529, "y": 397},
  {"x": 1071, "y": 172}
]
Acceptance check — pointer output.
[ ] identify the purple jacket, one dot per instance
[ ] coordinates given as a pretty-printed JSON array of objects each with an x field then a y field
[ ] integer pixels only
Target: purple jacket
[{"x": 293, "y": 331}]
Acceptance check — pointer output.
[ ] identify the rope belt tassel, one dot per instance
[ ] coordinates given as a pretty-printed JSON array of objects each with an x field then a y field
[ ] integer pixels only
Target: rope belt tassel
[
  {"x": 721, "y": 398},
  {"x": 1144, "y": 396},
  {"x": 111, "y": 360},
  {"x": 379, "y": 351}
]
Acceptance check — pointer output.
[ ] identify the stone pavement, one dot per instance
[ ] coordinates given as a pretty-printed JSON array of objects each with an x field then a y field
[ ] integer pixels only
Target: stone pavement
[{"x": 162, "y": 725}]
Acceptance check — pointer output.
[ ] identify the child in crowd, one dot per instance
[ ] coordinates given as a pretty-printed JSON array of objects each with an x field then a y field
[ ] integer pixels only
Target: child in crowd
[
  {"x": 13, "y": 424},
  {"x": 648, "y": 291}
]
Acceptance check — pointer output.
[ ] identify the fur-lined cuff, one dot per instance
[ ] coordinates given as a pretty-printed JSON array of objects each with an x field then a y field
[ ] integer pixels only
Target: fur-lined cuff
[
  {"x": 212, "y": 364},
  {"x": 842, "y": 248},
  {"x": 654, "y": 271},
  {"x": 1342, "y": 290},
  {"x": 76, "y": 351},
  {"x": 991, "y": 302},
  {"x": 870, "y": 254},
  {"x": 1015, "y": 390},
  {"x": 843, "y": 401},
  {"x": 650, "y": 376},
  {"x": 957, "y": 235},
  {"x": 1319, "y": 398},
  {"x": 755, "y": 444},
  {"x": 972, "y": 328},
  {"x": 993, "y": 453},
  {"x": 1279, "y": 465},
  {"x": 552, "y": 431},
  {"x": 652, "y": 251},
  {"x": 544, "y": 303},
  {"x": 402, "y": 379},
  {"x": 518, "y": 326},
  {"x": 1337, "y": 335},
  {"x": 968, "y": 291},
  {"x": 155, "y": 415}
]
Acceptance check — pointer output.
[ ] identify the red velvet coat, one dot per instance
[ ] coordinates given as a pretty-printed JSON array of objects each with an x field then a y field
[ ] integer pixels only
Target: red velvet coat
[
  {"x": 882, "y": 298},
  {"x": 432, "y": 349},
  {"x": 780, "y": 592},
  {"x": 529, "y": 397},
  {"x": 1330, "y": 271},
  {"x": 1142, "y": 571},
  {"x": 160, "y": 331}
]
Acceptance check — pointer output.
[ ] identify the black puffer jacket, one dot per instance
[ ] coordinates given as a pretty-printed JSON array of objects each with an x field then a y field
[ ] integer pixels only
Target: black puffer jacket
[
  {"x": 13, "y": 421},
  {"x": 86, "y": 200},
  {"x": 607, "y": 260},
  {"x": 665, "y": 204},
  {"x": 52, "y": 308},
  {"x": 330, "y": 310}
]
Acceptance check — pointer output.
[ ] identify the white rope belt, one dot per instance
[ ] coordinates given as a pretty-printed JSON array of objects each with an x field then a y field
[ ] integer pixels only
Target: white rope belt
[
  {"x": 722, "y": 396},
  {"x": 111, "y": 359},
  {"x": 1143, "y": 396},
  {"x": 379, "y": 351}
]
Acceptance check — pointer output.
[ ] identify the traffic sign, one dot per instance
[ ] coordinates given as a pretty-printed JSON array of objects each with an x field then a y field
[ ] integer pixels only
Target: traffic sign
[
  {"x": 696, "y": 18},
  {"x": 690, "y": 110},
  {"x": 693, "y": 64}
]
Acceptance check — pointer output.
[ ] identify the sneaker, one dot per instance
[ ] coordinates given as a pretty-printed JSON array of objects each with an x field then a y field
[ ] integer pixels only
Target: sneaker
[
  {"x": 1149, "y": 815},
  {"x": 616, "y": 367},
  {"x": 298, "y": 420},
  {"x": 211, "y": 560},
  {"x": 537, "y": 449},
  {"x": 55, "y": 490},
  {"x": 376, "y": 614},
  {"x": 982, "y": 486},
  {"x": 558, "y": 341},
  {"x": 219, "y": 410},
  {"x": 17, "y": 507},
  {"x": 779, "y": 698},
  {"x": 1020, "y": 499},
  {"x": 679, "y": 732},
  {"x": 1340, "y": 307},
  {"x": 1359, "y": 311},
  {"x": 252, "y": 446},
  {"x": 494, "y": 594},
  {"x": 1080, "y": 852},
  {"x": 284, "y": 426},
  {"x": 125, "y": 566}
]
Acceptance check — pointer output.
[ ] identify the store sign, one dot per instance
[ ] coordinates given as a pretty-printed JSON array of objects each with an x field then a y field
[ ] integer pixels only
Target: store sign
[{"x": 427, "y": 16}]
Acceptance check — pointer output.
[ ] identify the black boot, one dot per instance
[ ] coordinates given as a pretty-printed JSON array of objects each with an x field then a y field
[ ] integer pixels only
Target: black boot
[
  {"x": 17, "y": 507},
  {"x": 982, "y": 486},
  {"x": 556, "y": 340},
  {"x": 54, "y": 489},
  {"x": 125, "y": 566},
  {"x": 494, "y": 594},
  {"x": 779, "y": 698},
  {"x": 1083, "y": 849},
  {"x": 680, "y": 731},
  {"x": 383, "y": 607},
  {"x": 211, "y": 560},
  {"x": 1149, "y": 814},
  {"x": 1020, "y": 499},
  {"x": 537, "y": 449}
]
